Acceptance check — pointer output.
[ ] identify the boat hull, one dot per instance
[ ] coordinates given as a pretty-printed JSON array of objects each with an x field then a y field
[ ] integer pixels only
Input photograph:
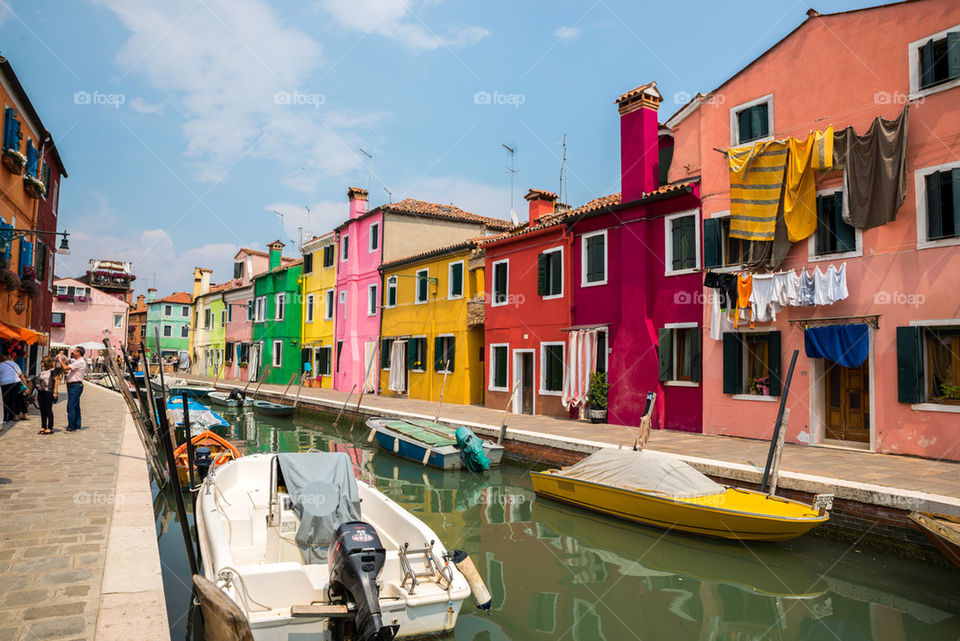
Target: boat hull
[
  {"x": 223, "y": 399},
  {"x": 444, "y": 457},
  {"x": 694, "y": 516},
  {"x": 222, "y": 450},
  {"x": 943, "y": 531},
  {"x": 272, "y": 409}
]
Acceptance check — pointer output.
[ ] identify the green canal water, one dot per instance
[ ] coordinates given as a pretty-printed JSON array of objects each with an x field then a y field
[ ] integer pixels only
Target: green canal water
[{"x": 559, "y": 573}]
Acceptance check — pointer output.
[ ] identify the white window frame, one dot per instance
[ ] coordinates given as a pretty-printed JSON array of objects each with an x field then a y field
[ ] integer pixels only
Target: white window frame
[
  {"x": 920, "y": 188},
  {"x": 668, "y": 243},
  {"x": 563, "y": 279},
  {"x": 493, "y": 283},
  {"x": 276, "y": 355},
  {"x": 913, "y": 64},
  {"x": 308, "y": 309},
  {"x": 426, "y": 347},
  {"x": 446, "y": 371},
  {"x": 167, "y": 309},
  {"x": 391, "y": 284},
  {"x": 118, "y": 321},
  {"x": 735, "y": 124},
  {"x": 372, "y": 300},
  {"x": 673, "y": 382},
  {"x": 316, "y": 357},
  {"x": 322, "y": 251},
  {"x": 812, "y": 256},
  {"x": 926, "y": 406},
  {"x": 416, "y": 291},
  {"x": 182, "y": 332},
  {"x": 185, "y": 311},
  {"x": 373, "y": 233},
  {"x": 543, "y": 369},
  {"x": 167, "y": 331},
  {"x": 492, "y": 373},
  {"x": 328, "y": 305},
  {"x": 260, "y": 309},
  {"x": 583, "y": 259},
  {"x": 279, "y": 306},
  {"x": 344, "y": 248},
  {"x": 223, "y": 318},
  {"x": 463, "y": 279}
]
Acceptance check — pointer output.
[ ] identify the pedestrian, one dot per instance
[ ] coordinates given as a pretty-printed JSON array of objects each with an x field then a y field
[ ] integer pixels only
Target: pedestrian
[
  {"x": 12, "y": 384},
  {"x": 46, "y": 385},
  {"x": 76, "y": 368},
  {"x": 100, "y": 367}
]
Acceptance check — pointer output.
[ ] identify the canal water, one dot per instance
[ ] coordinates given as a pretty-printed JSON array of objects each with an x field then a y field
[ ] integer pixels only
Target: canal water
[{"x": 560, "y": 573}]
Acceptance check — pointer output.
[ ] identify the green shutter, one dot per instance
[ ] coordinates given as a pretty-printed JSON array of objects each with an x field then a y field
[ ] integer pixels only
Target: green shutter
[
  {"x": 732, "y": 363},
  {"x": 457, "y": 279},
  {"x": 759, "y": 120},
  {"x": 926, "y": 65},
  {"x": 953, "y": 54},
  {"x": 554, "y": 376},
  {"x": 910, "y": 364},
  {"x": 676, "y": 236},
  {"x": 955, "y": 177},
  {"x": 437, "y": 354},
  {"x": 712, "y": 239},
  {"x": 665, "y": 354},
  {"x": 773, "y": 364},
  {"x": 500, "y": 283},
  {"x": 385, "y": 346},
  {"x": 595, "y": 258},
  {"x": 411, "y": 353},
  {"x": 422, "y": 281},
  {"x": 392, "y": 293},
  {"x": 846, "y": 234},
  {"x": 934, "y": 212},
  {"x": 745, "y": 126},
  {"x": 556, "y": 273},
  {"x": 695, "y": 357},
  {"x": 541, "y": 274}
]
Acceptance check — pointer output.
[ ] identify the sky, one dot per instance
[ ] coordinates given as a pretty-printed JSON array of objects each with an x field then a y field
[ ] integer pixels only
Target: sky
[{"x": 191, "y": 128}]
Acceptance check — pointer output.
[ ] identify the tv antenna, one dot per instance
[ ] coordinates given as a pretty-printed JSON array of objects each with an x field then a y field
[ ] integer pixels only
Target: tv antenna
[
  {"x": 389, "y": 194},
  {"x": 513, "y": 172},
  {"x": 281, "y": 223},
  {"x": 563, "y": 168},
  {"x": 308, "y": 220},
  {"x": 369, "y": 165}
]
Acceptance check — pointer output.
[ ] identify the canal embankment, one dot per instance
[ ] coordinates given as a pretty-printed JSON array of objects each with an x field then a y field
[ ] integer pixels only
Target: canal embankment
[{"x": 873, "y": 493}]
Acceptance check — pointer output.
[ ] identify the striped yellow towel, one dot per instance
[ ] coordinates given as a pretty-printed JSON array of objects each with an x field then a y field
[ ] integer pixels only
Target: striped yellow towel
[{"x": 756, "y": 181}]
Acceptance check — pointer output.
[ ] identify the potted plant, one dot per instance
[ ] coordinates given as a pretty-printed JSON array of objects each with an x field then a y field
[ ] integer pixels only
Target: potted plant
[
  {"x": 30, "y": 287},
  {"x": 949, "y": 394},
  {"x": 759, "y": 386},
  {"x": 14, "y": 161},
  {"x": 34, "y": 187},
  {"x": 597, "y": 398},
  {"x": 9, "y": 279},
  {"x": 243, "y": 364}
]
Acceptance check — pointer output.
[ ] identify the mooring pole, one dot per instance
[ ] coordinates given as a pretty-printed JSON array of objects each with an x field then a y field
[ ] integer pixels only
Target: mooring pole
[
  {"x": 777, "y": 425},
  {"x": 188, "y": 436},
  {"x": 178, "y": 493}
]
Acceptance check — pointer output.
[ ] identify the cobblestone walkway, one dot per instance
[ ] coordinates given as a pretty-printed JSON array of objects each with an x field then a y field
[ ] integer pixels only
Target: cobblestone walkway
[{"x": 56, "y": 503}]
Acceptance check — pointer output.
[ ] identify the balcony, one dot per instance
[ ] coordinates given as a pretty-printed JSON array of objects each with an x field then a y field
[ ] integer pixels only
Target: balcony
[{"x": 475, "y": 313}]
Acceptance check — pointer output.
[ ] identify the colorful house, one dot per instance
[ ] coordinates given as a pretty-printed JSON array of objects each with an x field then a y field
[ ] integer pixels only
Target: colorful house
[
  {"x": 432, "y": 325},
  {"x": 209, "y": 348},
  {"x": 171, "y": 317},
  {"x": 80, "y": 314},
  {"x": 833, "y": 70},
  {"x": 137, "y": 325},
  {"x": 46, "y": 244},
  {"x": 275, "y": 351},
  {"x": 407, "y": 226},
  {"x": 319, "y": 308},
  {"x": 198, "y": 328}
]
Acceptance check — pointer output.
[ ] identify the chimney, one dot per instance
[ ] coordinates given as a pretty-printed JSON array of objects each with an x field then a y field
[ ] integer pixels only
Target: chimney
[
  {"x": 151, "y": 294},
  {"x": 639, "y": 144},
  {"x": 358, "y": 201},
  {"x": 541, "y": 202},
  {"x": 201, "y": 281},
  {"x": 276, "y": 251},
  {"x": 140, "y": 302}
]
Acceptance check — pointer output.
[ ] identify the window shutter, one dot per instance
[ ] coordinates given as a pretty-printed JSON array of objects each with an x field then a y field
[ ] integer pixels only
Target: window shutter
[
  {"x": 773, "y": 364},
  {"x": 676, "y": 236},
  {"x": 26, "y": 255},
  {"x": 595, "y": 250},
  {"x": 909, "y": 364},
  {"x": 732, "y": 363},
  {"x": 15, "y": 127},
  {"x": 31, "y": 168},
  {"x": 695, "y": 347},
  {"x": 451, "y": 353},
  {"x": 7, "y": 128},
  {"x": 955, "y": 176},
  {"x": 458, "y": 279},
  {"x": 926, "y": 64},
  {"x": 392, "y": 294},
  {"x": 953, "y": 54},
  {"x": 745, "y": 126},
  {"x": 500, "y": 295},
  {"x": 665, "y": 354},
  {"x": 846, "y": 235},
  {"x": 759, "y": 120},
  {"x": 556, "y": 273},
  {"x": 437, "y": 354},
  {"x": 712, "y": 239},
  {"x": 500, "y": 357},
  {"x": 541, "y": 274},
  {"x": 385, "y": 345},
  {"x": 821, "y": 227},
  {"x": 934, "y": 213}
]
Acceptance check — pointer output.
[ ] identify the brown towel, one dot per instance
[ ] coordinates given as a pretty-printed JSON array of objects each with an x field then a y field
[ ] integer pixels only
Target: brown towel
[{"x": 874, "y": 171}]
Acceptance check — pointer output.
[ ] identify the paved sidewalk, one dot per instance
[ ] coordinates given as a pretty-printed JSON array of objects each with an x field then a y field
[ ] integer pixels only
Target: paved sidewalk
[{"x": 58, "y": 497}]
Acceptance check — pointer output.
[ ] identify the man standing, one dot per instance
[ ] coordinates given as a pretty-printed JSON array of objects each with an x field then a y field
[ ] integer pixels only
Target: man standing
[{"x": 76, "y": 368}]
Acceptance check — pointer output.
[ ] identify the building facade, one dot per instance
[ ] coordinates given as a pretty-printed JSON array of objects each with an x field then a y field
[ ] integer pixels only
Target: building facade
[
  {"x": 137, "y": 325},
  {"x": 319, "y": 308},
  {"x": 47, "y": 244},
  {"x": 81, "y": 314},
  {"x": 275, "y": 343},
  {"x": 171, "y": 317}
]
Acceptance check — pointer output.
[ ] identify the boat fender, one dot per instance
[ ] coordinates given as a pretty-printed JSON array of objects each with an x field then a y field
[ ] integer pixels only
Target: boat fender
[
  {"x": 477, "y": 587},
  {"x": 372, "y": 434},
  {"x": 396, "y": 445},
  {"x": 426, "y": 456}
]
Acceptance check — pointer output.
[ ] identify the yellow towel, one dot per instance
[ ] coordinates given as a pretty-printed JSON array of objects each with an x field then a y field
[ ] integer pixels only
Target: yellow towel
[
  {"x": 800, "y": 194},
  {"x": 756, "y": 180}
]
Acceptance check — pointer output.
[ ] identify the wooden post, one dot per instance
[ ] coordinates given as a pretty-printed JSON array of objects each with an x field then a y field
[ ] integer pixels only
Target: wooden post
[
  {"x": 293, "y": 377},
  {"x": 263, "y": 375},
  {"x": 506, "y": 410},
  {"x": 778, "y": 452},
  {"x": 299, "y": 389},
  {"x": 443, "y": 388},
  {"x": 776, "y": 425},
  {"x": 178, "y": 493},
  {"x": 337, "y": 420},
  {"x": 191, "y": 457},
  {"x": 363, "y": 387}
]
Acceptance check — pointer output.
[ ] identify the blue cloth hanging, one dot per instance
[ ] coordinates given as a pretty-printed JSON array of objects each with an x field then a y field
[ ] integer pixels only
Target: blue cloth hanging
[{"x": 848, "y": 345}]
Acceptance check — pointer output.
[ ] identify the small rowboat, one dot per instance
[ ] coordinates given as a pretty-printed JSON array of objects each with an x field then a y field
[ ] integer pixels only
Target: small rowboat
[
  {"x": 221, "y": 451},
  {"x": 663, "y": 491},
  {"x": 428, "y": 443},
  {"x": 943, "y": 530},
  {"x": 268, "y": 408},
  {"x": 224, "y": 399}
]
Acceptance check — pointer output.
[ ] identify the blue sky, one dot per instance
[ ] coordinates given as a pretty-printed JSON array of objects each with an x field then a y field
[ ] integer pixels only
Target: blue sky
[{"x": 184, "y": 123}]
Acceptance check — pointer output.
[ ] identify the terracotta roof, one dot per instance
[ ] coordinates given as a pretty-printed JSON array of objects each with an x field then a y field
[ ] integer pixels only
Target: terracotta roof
[
  {"x": 256, "y": 252},
  {"x": 447, "y": 212},
  {"x": 540, "y": 193},
  {"x": 181, "y": 298},
  {"x": 645, "y": 88},
  {"x": 439, "y": 251}
]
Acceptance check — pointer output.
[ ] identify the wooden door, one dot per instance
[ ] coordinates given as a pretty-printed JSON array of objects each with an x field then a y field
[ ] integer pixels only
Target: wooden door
[
  {"x": 526, "y": 383},
  {"x": 847, "y": 402}
]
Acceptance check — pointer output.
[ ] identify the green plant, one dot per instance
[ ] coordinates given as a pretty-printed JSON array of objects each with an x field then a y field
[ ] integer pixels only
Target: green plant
[
  {"x": 950, "y": 392},
  {"x": 597, "y": 394}
]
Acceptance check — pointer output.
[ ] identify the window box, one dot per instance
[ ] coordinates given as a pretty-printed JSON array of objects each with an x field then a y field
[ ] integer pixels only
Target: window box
[
  {"x": 14, "y": 161},
  {"x": 65, "y": 297},
  {"x": 34, "y": 187},
  {"x": 81, "y": 299}
]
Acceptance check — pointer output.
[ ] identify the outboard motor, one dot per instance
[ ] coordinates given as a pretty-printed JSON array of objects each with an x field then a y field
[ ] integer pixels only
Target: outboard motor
[
  {"x": 355, "y": 558},
  {"x": 203, "y": 461}
]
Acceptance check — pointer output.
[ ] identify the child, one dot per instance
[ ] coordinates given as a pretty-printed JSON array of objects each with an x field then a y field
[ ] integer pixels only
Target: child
[{"x": 46, "y": 385}]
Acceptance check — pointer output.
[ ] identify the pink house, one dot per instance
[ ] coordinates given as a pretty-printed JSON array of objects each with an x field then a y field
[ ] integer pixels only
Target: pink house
[
  {"x": 833, "y": 69},
  {"x": 238, "y": 299},
  {"x": 81, "y": 314}
]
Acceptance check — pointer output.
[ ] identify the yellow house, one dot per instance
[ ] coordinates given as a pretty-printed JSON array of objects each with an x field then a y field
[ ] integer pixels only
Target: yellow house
[
  {"x": 319, "y": 305},
  {"x": 432, "y": 325}
]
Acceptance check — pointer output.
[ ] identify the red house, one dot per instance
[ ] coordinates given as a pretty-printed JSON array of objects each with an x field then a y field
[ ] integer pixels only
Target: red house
[{"x": 47, "y": 244}]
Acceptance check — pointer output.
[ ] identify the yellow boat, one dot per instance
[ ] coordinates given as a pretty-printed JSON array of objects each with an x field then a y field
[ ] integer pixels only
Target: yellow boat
[{"x": 663, "y": 491}]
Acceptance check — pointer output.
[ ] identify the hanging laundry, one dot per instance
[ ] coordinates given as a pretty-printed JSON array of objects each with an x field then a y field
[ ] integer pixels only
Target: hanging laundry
[
  {"x": 756, "y": 182},
  {"x": 821, "y": 288},
  {"x": 800, "y": 191},
  {"x": 744, "y": 290},
  {"x": 787, "y": 288},
  {"x": 719, "y": 317},
  {"x": 837, "y": 283},
  {"x": 807, "y": 289},
  {"x": 848, "y": 345},
  {"x": 763, "y": 302},
  {"x": 874, "y": 171},
  {"x": 725, "y": 286}
]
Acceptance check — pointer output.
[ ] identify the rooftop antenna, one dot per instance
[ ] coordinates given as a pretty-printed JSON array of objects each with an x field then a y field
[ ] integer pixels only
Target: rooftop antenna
[
  {"x": 389, "y": 194},
  {"x": 563, "y": 169},
  {"x": 308, "y": 220},
  {"x": 369, "y": 165},
  {"x": 513, "y": 172},
  {"x": 280, "y": 237}
]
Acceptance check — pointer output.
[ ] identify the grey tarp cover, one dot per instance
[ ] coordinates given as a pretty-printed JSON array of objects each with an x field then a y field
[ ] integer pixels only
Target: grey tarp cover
[
  {"x": 644, "y": 471},
  {"x": 324, "y": 494}
]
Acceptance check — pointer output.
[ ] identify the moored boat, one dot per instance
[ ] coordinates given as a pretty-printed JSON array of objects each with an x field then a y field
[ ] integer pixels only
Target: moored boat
[
  {"x": 201, "y": 417},
  {"x": 220, "y": 451},
  {"x": 227, "y": 399},
  {"x": 434, "y": 444},
  {"x": 943, "y": 530},
  {"x": 661, "y": 490},
  {"x": 269, "y": 408}
]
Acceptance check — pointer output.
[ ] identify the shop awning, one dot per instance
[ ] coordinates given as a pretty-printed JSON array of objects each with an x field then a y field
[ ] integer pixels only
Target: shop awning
[
  {"x": 14, "y": 333},
  {"x": 848, "y": 345}
]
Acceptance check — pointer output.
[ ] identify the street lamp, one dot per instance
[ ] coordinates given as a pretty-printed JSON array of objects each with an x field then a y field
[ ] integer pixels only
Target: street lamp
[{"x": 64, "y": 246}]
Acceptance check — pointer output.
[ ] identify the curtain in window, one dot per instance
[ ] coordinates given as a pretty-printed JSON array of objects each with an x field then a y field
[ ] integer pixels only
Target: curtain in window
[
  {"x": 581, "y": 362},
  {"x": 940, "y": 362},
  {"x": 398, "y": 359}
]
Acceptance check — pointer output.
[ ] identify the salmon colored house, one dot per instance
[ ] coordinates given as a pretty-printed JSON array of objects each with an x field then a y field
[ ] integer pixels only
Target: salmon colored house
[{"x": 833, "y": 69}]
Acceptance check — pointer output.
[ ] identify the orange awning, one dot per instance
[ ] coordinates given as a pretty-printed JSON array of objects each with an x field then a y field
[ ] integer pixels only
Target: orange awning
[{"x": 14, "y": 333}]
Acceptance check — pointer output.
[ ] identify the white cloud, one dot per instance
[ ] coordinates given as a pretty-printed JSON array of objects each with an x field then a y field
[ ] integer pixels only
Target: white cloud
[
  {"x": 398, "y": 20},
  {"x": 141, "y": 106},
  {"x": 567, "y": 33}
]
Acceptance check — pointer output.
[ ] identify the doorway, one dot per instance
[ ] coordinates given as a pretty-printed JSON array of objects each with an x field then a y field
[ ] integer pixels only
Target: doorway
[
  {"x": 847, "y": 402},
  {"x": 523, "y": 377}
]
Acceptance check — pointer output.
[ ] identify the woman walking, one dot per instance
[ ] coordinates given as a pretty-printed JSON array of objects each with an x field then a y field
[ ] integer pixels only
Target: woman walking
[
  {"x": 11, "y": 380},
  {"x": 46, "y": 384}
]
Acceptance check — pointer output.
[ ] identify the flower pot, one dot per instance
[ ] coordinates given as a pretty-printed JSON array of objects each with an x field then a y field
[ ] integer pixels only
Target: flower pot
[
  {"x": 34, "y": 187},
  {"x": 597, "y": 416},
  {"x": 14, "y": 161}
]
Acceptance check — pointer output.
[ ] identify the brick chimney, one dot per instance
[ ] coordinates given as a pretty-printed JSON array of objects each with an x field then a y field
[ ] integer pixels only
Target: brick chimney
[
  {"x": 541, "y": 203},
  {"x": 358, "y": 201},
  {"x": 140, "y": 301},
  {"x": 639, "y": 144},
  {"x": 151, "y": 294},
  {"x": 276, "y": 251}
]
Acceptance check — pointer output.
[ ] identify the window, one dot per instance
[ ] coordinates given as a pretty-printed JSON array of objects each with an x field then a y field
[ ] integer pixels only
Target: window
[
  {"x": 719, "y": 250},
  {"x": 279, "y": 301},
  {"x": 261, "y": 309},
  {"x": 308, "y": 309},
  {"x": 208, "y": 319},
  {"x": 277, "y": 353},
  {"x": 928, "y": 365},
  {"x": 941, "y": 197},
  {"x": 551, "y": 368},
  {"x": 498, "y": 367},
  {"x": 374, "y": 235},
  {"x": 249, "y": 305},
  {"x": 41, "y": 268},
  {"x": 751, "y": 363},
  {"x": 682, "y": 243},
  {"x": 328, "y": 305},
  {"x": 339, "y": 353},
  {"x": 391, "y": 292},
  {"x": 594, "y": 258},
  {"x": 184, "y": 331},
  {"x": 943, "y": 361},
  {"x": 229, "y": 312},
  {"x": 603, "y": 352},
  {"x": 501, "y": 279},
  {"x": 61, "y": 290},
  {"x": 423, "y": 281},
  {"x": 344, "y": 247},
  {"x": 752, "y": 121},
  {"x": 308, "y": 263},
  {"x": 833, "y": 235},
  {"x": 223, "y": 317},
  {"x": 417, "y": 354},
  {"x": 372, "y": 300},
  {"x": 323, "y": 356},
  {"x": 185, "y": 311},
  {"x": 936, "y": 60},
  {"x": 58, "y": 319},
  {"x": 550, "y": 273},
  {"x": 443, "y": 353},
  {"x": 168, "y": 310},
  {"x": 455, "y": 280},
  {"x": 167, "y": 331},
  {"x": 117, "y": 321},
  {"x": 328, "y": 252},
  {"x": 238, "y": 269},
  {"x": 385, "y": 346},
  {"x": 679, "y": 354},
  {"x": 243, "y": 352}
]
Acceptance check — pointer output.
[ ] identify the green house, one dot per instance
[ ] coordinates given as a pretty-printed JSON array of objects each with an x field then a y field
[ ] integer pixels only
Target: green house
[
  {"x": 275, "y": 349},
  {"x": 170, "y": 318}
]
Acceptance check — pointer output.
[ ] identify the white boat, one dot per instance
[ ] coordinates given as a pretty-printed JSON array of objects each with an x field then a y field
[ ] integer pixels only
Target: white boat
[{"x": 266, "y": 524}]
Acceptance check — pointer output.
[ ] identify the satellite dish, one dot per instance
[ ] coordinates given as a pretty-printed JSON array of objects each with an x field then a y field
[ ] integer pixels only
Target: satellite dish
[{"x": 513, "y": 217}]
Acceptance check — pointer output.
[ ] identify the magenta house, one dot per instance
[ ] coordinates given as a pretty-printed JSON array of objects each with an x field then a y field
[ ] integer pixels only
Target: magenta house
[{"x": 636, "y": 277}]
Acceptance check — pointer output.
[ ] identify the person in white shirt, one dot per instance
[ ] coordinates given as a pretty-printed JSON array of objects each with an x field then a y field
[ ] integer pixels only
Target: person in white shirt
[
  {"x": 75, "y": 368},
  {"x": 11, "y": 377}
]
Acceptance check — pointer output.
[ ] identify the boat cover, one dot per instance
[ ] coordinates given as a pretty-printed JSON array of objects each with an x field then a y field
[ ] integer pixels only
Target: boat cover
[
  {"x": 644, "y": 471},
  {"x": 471, "y": 450},
  {"x": 324, "y": 494}
]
